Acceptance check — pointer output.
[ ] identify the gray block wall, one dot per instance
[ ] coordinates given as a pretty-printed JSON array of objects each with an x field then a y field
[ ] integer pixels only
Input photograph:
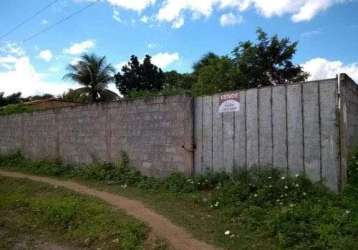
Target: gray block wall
[
  {"x": 156, "y": 133},
  {"x": 301, "y": 128},
  {"x": 292, "y": 127},
  {"x": 348, "y": 122}
]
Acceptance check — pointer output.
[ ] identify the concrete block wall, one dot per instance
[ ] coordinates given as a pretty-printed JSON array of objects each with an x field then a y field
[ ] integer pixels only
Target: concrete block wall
[
  {"x": 302, "y": 128},
  {"x": 293, "y": 127},
  {"x": 348, "y": 121},
  {"x": 156, "y": 133},
  {"x": 349, "y": 94}
]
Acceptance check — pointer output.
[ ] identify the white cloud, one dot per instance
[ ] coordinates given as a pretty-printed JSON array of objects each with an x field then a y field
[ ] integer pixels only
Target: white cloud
[
  {"x": 46, "y": 55},
  {"x": 310, "y": 34},
  {"x": 144, "y": 19},
  {"x": 119, "y": 65},
  {"x": 21, "y": 76},
  {"x": 75, "y": 60},
  {"x": 8, "y": 59},
  {"x": 135, "y": 5},
  {"x": 310, "y": 8},
  {"x": 12, "y": 49},
  {"x": 163, "y": 60},
  {"x": 173, "y": 11},
  {"x": 116, "y": 16},
  {"x": 152, "y": 45},
  {"x": 230, "y": 19},
  {"x": 44, "y": 22},
  {"x": 177, "y": 23},
  {"x": 321, "y": 68},
  {"x": 79, "y": 48}
]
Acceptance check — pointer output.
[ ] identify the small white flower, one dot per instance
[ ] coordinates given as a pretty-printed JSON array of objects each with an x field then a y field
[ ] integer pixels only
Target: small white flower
[
  {"x": 227, "y": 232},
  {"x": 270, "y": 186},
  {"x": 297, "y": 185},
  {"x": 255, "y": 195},
  {"x": 116, "y": 240},
  {"x": 270, "y": 177},
  {"x": 283, "y": 177},
  {"x": 297, "y": 175},
  {"x": 304, "y": 194},
  {"x": 286, "y": 187},
  {"x": 348, "y": 212},
  {"x": 292, "y": 205}
]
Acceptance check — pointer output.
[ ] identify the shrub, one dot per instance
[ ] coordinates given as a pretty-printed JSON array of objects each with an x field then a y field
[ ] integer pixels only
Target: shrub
[
  {"x": 290, "y": 209},
  {"x": 15, "y": 109}
]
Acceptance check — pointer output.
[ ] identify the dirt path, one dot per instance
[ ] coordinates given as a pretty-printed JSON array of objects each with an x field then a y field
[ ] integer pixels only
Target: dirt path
[{"x": 176, "y": 236}]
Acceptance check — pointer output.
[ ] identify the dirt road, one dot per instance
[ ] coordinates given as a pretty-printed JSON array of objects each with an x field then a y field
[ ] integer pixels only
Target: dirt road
[{"x": 177, "y": 237}]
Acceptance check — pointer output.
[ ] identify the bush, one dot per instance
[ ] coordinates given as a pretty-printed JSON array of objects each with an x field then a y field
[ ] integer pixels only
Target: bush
[
  {"x": 290, "y": 209},
  {"x": 15, "y": 109}
]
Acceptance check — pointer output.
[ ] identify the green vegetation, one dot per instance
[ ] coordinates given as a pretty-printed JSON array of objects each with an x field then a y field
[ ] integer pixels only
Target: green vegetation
[
  {"x": 137, "y": 76},
  {"x": 32, "y": 213},
  {"x": 94, "y": 74},
  {"x": 15, "y": 109},
  {"x": 264, "y": 62},
  {"x": 268, "y": 61},
  {"x": 255, "y": 209}
]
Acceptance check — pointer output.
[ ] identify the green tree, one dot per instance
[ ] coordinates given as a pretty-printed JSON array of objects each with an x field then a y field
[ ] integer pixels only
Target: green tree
[
  {"x": 215, "y": 74},
  {"x": 38, "y": 97},
  {"x": 177, "y": 81},
  {"x": 138, "y": 76},
  {"x": 94, "y": 74},
  {"x": 74, "y": 96},
  {"x": 267, "y": 62},
  {"x": 10, "y": 99}
]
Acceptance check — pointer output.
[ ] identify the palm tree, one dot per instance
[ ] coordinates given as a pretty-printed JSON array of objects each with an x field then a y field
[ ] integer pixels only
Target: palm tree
[{"x": 94, "y": 74}]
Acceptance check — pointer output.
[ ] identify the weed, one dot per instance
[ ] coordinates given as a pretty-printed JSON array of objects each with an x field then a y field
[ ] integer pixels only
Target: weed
[
  {"x": 258, "y": 207},
  {"x": 32, "y": 209}
]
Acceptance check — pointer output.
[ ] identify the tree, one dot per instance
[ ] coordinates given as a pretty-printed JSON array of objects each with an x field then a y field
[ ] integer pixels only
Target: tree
[
  {"x": 138, "y": 76},
  {"x": 205, "y": 60},
  {"x": 268, "y": 62},
  {"x": 177, "y": 81},
  {"x": 10, "y": 99},
  {"x": 215, "y": 74},
  {"x": 38, "y": 97},
  {"x": 94, "y": 74},
  {"x": 74, "y": 96}
]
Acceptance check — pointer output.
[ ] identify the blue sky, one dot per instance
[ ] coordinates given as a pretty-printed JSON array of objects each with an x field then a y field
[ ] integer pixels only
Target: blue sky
[{"x": 175, "y": 32}]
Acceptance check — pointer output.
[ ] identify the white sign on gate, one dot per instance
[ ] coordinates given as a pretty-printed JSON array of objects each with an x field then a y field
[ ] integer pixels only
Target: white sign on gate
[{"x": 229, "y": 102}]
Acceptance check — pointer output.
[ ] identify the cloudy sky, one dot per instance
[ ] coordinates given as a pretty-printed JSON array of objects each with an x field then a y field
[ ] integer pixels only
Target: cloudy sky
[{"x": 35, "y": 49}]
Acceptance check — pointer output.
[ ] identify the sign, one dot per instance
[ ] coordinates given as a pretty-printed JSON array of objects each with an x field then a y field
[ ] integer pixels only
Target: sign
[{"x": 229, "y": 102}]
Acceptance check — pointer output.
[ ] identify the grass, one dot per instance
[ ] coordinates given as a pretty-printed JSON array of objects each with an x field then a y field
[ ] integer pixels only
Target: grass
[
  {"x": 255, "y": 209},
  {"x": 32, "y": 213}
]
